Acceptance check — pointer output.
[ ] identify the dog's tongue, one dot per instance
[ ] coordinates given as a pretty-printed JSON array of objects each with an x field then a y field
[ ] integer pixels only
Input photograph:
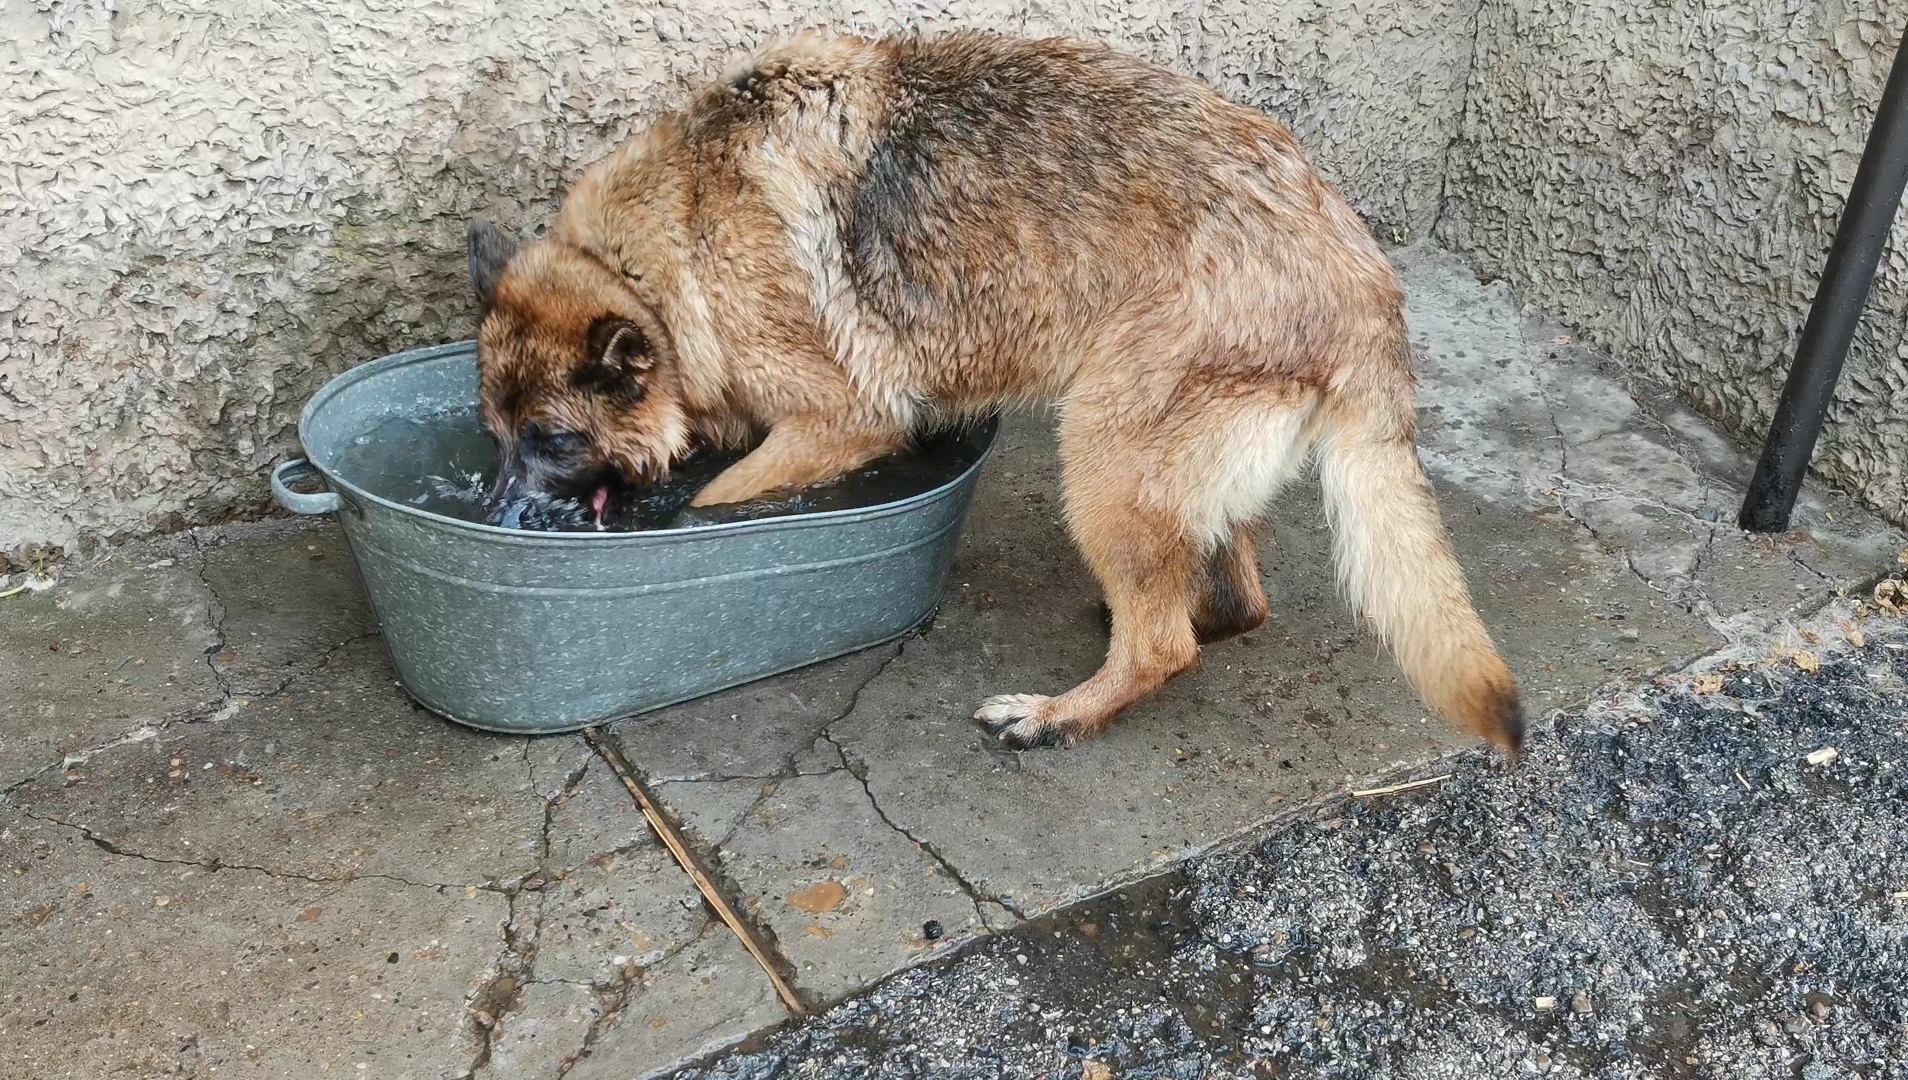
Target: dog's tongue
[{"x": 599, "y": 502}]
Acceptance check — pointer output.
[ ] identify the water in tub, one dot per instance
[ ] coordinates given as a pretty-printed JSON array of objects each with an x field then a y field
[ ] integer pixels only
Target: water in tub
[{"x": 444, "y": 464}]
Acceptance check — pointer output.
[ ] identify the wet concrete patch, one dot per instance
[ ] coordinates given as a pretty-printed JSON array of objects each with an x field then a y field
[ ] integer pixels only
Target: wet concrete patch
[{"x": 1515, "y": 411}]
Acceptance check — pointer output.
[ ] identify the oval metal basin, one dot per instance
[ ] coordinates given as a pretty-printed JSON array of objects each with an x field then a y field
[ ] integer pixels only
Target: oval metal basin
[{"x": 533, "y": 632}]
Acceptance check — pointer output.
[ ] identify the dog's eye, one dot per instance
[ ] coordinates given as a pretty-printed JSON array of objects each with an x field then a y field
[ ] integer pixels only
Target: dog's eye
[
  {"x": 565, "y": 442},
  {"x": 556, "y": 443}
]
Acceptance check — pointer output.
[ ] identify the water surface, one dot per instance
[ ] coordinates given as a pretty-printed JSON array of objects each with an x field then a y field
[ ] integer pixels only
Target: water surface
[{"x": 444, "y": 464}]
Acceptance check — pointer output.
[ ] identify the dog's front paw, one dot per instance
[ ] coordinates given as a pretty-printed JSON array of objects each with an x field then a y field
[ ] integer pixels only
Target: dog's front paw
[{"x": 1020, "y": 721}]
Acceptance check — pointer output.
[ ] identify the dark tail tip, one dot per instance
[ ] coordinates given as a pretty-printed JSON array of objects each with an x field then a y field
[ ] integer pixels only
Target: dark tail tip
[{"x": 1511, "y": 729}]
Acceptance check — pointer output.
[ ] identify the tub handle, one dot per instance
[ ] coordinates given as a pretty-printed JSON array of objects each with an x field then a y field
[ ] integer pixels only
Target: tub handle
[{"x": 323, "y": 502}]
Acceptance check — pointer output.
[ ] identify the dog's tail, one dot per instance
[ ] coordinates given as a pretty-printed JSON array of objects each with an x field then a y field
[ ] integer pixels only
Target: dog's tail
[{"x": 1394, "y": 559}]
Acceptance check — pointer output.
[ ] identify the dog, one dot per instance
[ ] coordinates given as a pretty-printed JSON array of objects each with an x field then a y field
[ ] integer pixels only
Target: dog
[{"x": 844, "y": 240}]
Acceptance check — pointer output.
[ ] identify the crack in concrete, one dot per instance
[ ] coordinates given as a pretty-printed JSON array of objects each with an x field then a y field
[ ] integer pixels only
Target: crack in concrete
[
  {"x": 501, "y": 995},
  {"x": 147, "y": 730},
  {"x": 1796, "y": 558},
  {"x": 1704, "y": 554},
  {"x": 788, "y": 771},
  {"x": 566, "y": 786},
  {"x": 725, "y": 778},
  {"x": 613, "y": 998},
  {"x": 1690, "y": 591},
  {"x": 214, "y": 865},
  {"x": 1587, "y": 489},
  {"x": 976, "y": 895},
  {"x": 742, "y": 819},
  {"x": 567, "y": 790},
  {"x": 1687, "y": 592},
  {"x": 1563, "y": 492},
  {"x": 216, "y": 612},
  {"x": 223, "y": 708},
  {"x": 325, "y": 660}
]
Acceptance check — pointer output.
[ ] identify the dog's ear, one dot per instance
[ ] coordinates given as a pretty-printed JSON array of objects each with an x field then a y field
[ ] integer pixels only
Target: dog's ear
[
  {"x": 620, "y": 356},
  {"x": 490, "y": 249}
]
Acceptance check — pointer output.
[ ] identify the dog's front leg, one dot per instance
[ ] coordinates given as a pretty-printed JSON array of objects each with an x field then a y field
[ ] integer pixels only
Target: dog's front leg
[{"x": 798, "y": 453}]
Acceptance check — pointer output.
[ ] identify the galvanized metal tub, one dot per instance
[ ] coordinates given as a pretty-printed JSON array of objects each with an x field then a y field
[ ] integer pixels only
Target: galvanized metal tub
[{"x": 543, "y": 632}]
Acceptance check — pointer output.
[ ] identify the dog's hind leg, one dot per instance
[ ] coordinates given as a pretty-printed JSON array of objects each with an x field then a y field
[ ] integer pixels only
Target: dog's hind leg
[
  {"x": 1232, "y": 601},
  {"x": 1160, "y": 516},
  {"x": 1147, "y": 565}
]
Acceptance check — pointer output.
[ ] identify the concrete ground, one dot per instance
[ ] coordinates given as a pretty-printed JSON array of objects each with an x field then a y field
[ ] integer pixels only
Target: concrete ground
[{"x": 233, "y": 847}]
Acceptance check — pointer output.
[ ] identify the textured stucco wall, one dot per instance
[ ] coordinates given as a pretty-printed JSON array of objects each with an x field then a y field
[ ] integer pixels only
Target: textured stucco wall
[
  {"x": 207, "y": 208},
  {"x": 1667, "y": 177}
]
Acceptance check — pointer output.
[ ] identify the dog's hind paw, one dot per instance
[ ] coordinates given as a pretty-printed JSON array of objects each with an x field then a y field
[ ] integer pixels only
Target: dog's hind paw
[{"x": 1016, "y": 719}]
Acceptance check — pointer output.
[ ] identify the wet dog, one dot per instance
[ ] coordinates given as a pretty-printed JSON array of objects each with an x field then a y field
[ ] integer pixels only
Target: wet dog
[{"x": 844, "y": 239}]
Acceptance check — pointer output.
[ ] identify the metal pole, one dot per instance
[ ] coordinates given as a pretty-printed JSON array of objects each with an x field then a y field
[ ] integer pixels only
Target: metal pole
[{"x": 1835, "y": 314}]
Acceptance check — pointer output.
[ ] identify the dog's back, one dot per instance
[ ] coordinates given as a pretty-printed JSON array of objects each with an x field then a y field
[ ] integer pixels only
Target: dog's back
[{"x": 980, "y": 216}]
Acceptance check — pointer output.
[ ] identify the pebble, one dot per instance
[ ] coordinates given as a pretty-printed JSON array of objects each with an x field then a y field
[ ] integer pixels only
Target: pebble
[{"x": 1580, "y": 1003}]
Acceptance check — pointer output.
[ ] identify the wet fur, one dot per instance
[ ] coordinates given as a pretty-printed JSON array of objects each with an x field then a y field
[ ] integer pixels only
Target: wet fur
[{"x": 843, "y": 238}]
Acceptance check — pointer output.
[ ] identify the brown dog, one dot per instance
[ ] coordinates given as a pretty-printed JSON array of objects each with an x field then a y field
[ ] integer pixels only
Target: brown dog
[{"x": 844, "y": 239}]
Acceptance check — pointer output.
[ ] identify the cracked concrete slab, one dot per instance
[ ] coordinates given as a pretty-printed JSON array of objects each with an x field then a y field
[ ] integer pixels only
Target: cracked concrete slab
[
  {"x": 116, "y": 966},
  {"x": 654, "y": 1011},
  {"x": 846, "y": 894},
  {"x": 590, "y": 817},
  {"x": 114, "y": 651},
  {"x": 708, "y": 996},
  {"x": 1516, "y": 411},
  {"x": 286, "y": 755},
  {"x": 612, "y": 938},
  {"x": 781, "y": 815},
  {"x": 284, "y": 606},
  {"x": 761, "y": 730},
  {"x": 338, "y": 776}
]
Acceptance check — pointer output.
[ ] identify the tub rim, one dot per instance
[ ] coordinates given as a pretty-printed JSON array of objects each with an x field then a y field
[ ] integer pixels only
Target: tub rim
[{"x": 350, "y": 493}]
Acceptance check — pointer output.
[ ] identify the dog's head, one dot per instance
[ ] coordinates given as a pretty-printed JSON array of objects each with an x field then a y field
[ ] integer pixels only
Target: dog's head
[{"x": 577, "y": 379}]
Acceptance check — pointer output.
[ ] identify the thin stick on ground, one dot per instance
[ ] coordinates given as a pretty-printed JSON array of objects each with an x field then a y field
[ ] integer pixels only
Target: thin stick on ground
[
  {"x": 1395, "y": 788},
  {"x": 666, "y": 832}
]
